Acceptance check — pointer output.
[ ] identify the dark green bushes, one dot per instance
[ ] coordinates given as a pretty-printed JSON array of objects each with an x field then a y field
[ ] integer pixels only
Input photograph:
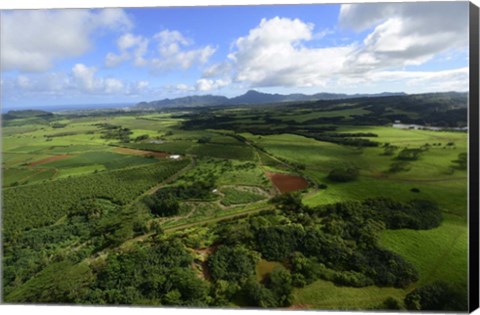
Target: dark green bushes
[
  {"x": 399, "y": 166},
  {"x": 416, "y": 214},
  {"x": 158, "y": 273},
  {"x": 276, "y": 291},
  {"x": 346, "y": 242},
  {"x": 437, "y": 296},
  {"x": 278, "y": 242},
  {"x": 162, "y": 204},
  {"x": 461, "y": 162},
  {"x": 38, "y": 205},
  {"x": 199, "y": 189},
  {"x": 409, "y": 154},
  {"x": 234, "y": 264},
  {"x": 342, "y": 175}
]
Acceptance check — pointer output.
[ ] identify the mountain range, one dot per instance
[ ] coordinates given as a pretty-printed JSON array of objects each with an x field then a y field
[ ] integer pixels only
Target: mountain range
[{"x": 250, "y": 97}]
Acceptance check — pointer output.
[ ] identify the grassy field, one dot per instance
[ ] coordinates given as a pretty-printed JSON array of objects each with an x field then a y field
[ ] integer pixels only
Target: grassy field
[
  {"x": 439, "y": 254},
  {"x": 325, "y": 295},
  {"x": 447, "y": 249},
  {"x": 233, "y": 196},
  {"x": 50, "y": 165}
]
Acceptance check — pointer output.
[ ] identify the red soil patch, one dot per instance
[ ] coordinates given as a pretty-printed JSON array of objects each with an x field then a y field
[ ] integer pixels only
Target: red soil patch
[
  {"x": 140, "y": 152},
  {"x": 286, "y": 183},
  {"x": 50, "y": 159}
]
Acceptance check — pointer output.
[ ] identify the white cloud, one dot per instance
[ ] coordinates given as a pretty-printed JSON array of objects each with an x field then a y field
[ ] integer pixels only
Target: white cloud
[
  {"x": 218, "y": 69},
  {"x": 113, "y": 60},
  {"x": 282, "y": 52},
  {"x": 50, "y": 83},
  {"x": 168, "y": 38},
  {"x": 183, "y": 87},
  {"x": 112, "y": 18},
  {"x": 23, "y": 82},
  {"x": 113, "y": 85},
  {"x": 85, "y": 80},
  {"x": 85, "y": 77},
  {"x": 141, "y": 85},
  {"x": 201, "y": 85},
  {"x": 32, "y": 40},
  {"x": 405, "y": 33},
  {"x": 130, "y": 46},
  {"x": 138, "y": 88},
  {"x": 173, "y": 52},
  {"x": 273, "y": 54},
  {"x": 80, "y": 81},
  {"x": 425, "y": 81},
  {"x": 207, "y": 85}
]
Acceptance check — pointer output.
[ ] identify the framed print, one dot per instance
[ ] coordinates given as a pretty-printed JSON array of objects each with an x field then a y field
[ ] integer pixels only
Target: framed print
[{"x": 272, "y": 156}]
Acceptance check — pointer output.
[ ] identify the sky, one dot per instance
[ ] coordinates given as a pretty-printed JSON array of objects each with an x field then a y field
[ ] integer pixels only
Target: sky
[{"x": 81, "y": 56}]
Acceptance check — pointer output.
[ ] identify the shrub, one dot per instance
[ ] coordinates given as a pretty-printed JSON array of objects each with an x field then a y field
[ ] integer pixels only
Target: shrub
[
  {"x": 399, "y": 166},
  {"x": 391, "y": 303},
  {"x": 343, "y": 175},
  {"x": 277, "y": 242},
  {"x": 462, "y": 161},
  {"x": 234, "y": 264},
  {"x": 352, "y": 279},
  {"x": 438, "y": 296},
  {"x": 409, "y": 154}
]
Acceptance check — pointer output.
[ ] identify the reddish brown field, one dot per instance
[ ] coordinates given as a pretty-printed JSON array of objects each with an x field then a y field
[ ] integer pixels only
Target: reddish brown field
[
  {"x": 50, "y": 159},
  {"x": 141, "y": 152},
  {"x": 287, "y": 183}
]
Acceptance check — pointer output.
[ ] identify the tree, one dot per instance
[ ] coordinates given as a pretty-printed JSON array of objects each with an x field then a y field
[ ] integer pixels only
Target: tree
[
  {"x": 162, "y": 204},
  {"x": 391, "y": 303},
  {"x": 234, "y": 264},
  {"x": 156, "y": 227},
  {"x": 409, "y": 154},
  {"x": 204, "y": 139},
  {"x": 257, "y": 295},
  {"x": 279, "y": 282},
  {"x": 193, "y": 291},
  {"x": 277, "y": 242},
  {"x": 141, "y": 138},
  {"x": 389, "y": 149},
  {"x": 303, "y": 269},
  {"x": 223, "y": 291},
  {"x": 437, "y": 296},
  {"x": 89, "y": 209},
  {"x": 342, "y": 175},
  {"x": 290, "y": 202},
  {"x": 462, "y": 161}
]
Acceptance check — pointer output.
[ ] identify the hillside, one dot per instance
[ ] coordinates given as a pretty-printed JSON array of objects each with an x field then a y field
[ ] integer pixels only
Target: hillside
[{"x": 250, "y": 97}]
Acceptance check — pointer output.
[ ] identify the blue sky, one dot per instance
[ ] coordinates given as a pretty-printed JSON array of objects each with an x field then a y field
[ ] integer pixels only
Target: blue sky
[{"x": 52, "y": 57}]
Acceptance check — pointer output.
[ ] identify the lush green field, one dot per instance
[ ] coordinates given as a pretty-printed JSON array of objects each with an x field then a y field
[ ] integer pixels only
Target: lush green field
[
  {"x": 326, "y": 295},
  {"x": 447, "y": 248},
  {"x": 236, "y": 152},
  {"x": 38, "y": 205},
  {"x": 234, "y": 196},
  {"x": 177, "y": 147},
  {"x": 218, "y": 195}
]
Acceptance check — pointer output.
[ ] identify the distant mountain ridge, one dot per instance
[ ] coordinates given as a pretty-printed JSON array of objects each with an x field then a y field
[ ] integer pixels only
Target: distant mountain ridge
[{"x": 251, "y": 97}]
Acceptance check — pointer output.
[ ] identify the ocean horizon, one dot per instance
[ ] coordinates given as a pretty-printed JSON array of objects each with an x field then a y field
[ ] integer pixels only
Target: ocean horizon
[{"x": 68, "y": 107}]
